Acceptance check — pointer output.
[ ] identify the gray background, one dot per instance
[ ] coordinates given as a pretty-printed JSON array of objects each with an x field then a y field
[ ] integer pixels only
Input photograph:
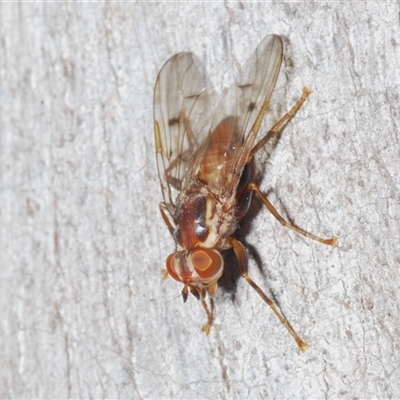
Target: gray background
[{"x": 85, "y": 311}]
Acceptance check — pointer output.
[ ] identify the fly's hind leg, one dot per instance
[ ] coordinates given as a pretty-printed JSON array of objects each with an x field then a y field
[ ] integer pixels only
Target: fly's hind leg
[
  {"x": 280, "y": 124},
  {"x": 253, "y": 187},
  {"x": 240, "y": 253}
]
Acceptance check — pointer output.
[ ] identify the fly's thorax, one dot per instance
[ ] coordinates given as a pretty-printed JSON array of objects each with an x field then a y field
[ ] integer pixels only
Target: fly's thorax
[
  {"x": 202, "y": 220},
  {"x": 192, "y": 220}
]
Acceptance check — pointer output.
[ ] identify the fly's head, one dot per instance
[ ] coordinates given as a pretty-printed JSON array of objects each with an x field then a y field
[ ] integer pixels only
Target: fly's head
[{"x": 198, "y": 269}]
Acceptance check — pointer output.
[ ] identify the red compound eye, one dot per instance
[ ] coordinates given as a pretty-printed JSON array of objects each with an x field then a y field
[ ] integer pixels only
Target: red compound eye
[
  {"x": 172, "y": 262},
  {"x": 208, "y": 263}
]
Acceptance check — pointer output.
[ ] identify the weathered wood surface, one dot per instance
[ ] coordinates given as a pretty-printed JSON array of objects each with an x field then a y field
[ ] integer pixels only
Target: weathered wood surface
[{"x": 85, "y": 311}]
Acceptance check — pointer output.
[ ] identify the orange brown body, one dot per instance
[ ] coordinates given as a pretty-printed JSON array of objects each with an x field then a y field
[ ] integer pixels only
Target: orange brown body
[{"x": 204, "y": 166}]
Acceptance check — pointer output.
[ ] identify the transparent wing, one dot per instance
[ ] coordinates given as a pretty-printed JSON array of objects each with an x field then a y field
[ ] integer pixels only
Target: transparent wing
[
  {"x": 239, "y": 115},
  {"x": 182, "y": 119}
]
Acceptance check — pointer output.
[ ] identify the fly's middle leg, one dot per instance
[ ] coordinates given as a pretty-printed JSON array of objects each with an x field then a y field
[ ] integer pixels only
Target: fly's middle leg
[{"x": 253, "y": 187}]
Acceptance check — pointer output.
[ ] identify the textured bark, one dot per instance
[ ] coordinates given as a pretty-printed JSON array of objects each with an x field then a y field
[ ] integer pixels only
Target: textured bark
[{"x": 85, "y": 311}]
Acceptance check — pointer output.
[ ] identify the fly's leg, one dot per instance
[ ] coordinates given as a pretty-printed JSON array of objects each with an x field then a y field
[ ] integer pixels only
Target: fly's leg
[
  {"x": 200, "y": 294},
  {"x": 207, "y": 327},
  {"x": 253, "y": 187},
  {"x": 240, "y": 253},
  {"x": 280, "y": 124},
  {"x": 163, "y": 211},
  {"x": 166, "y": 219}
]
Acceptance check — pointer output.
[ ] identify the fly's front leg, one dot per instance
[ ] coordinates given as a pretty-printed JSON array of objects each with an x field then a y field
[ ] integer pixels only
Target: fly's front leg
[
  {"x": 163, "y": 211},
  {"x": 241, "y": 255},
  {"x": 164, "y": 214},
  {"x": 200, "y": 294},
  {"x": 207, "y": 327},
  {"x": 280, "y": 124}
]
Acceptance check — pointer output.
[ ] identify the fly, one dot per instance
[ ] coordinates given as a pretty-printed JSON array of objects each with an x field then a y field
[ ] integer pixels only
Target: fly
[{"x": 204, "y": 162}]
